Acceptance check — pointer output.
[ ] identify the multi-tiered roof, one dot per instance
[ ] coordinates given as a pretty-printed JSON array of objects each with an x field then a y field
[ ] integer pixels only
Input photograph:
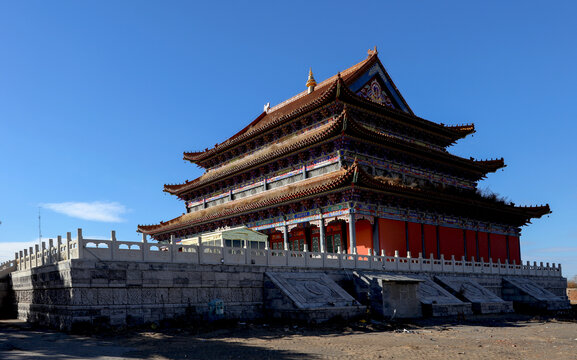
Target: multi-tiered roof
[{"x": 386, "y": 155}]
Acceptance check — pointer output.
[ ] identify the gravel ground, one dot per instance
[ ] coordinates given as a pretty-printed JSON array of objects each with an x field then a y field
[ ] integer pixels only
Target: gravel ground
[{"x": 479, "y": 337}]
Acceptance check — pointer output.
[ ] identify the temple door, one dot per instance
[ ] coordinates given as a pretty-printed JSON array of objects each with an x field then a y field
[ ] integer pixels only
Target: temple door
[
  {"x": 297, "y": 238},
  {"x": 276, "y": 240},
  {"x": 334, "y": 237},
  {"x": 315, "y": 239}
]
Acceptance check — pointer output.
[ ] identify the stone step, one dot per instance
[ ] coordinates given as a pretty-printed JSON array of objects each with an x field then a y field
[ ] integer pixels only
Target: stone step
[
  {"x": 525, "y": 292},
  {"x": 483, "y": 300},
  {"x": 311, "y": 297}
]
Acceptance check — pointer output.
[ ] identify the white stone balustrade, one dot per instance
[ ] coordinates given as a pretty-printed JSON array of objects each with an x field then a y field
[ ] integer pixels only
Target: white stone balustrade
[{"x": 114, "y": 250}]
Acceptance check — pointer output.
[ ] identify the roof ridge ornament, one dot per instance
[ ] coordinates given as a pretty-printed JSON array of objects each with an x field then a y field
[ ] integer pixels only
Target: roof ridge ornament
[
  {"x": 311, "y": 83},
  {"x": 372, "y": 52}
]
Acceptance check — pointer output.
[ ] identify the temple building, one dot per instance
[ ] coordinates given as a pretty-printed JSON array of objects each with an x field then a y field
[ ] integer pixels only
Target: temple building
[{"x": 346, "y": 166}]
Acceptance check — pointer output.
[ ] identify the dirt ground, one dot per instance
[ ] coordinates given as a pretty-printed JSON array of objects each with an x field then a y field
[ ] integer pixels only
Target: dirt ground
[{"x": 479, "y": 337}]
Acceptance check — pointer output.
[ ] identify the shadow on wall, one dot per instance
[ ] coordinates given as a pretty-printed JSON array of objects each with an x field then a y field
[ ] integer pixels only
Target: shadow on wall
[{"x": 7, "y": 299}]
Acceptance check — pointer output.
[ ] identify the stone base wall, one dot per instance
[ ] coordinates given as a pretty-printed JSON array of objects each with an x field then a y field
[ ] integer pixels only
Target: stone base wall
[
  {"x": 117, "y": 293},
  {"x": 572, "y": 295}
]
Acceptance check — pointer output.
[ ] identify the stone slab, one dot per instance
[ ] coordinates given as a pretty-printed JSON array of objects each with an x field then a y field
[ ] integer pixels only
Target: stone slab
[
  {"x": 525, "y": 292},
  {"x": 483, "y": 301},
  {"x": 311, "y": 290},
  {"x": 311, "y": 297},
  {"x": 437, "y": 301}
]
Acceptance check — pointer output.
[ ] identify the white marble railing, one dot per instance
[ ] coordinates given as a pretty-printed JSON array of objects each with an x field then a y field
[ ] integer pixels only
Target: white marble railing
[
  {"x": 7, "y": 267},
  {"x": 114, "y": 250}
]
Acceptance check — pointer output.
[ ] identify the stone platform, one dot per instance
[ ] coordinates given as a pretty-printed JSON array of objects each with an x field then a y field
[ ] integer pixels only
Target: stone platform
[
  {"x": 311, "y": 297},
  {"x": 483, "y": 301}
]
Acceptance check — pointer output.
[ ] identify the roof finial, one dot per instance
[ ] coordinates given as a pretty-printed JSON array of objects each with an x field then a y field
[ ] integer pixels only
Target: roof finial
[
  {"x": 311, "y": 83},
  {"x": 266, "y": 107},
  {"x": 373, "y": 52}
]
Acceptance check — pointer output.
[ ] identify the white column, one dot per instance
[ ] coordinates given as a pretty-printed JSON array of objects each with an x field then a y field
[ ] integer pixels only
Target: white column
[
  {"x": 322, "y": 234},
  {"x": 352, "y": 234},
  {"x": 285, "y": 237}
]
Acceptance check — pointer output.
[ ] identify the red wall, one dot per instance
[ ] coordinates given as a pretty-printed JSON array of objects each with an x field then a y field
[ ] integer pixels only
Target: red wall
[
  {"x": 451, "y": 242},
  {"x": 430, "y": 240},
  {"x": 483, "y": 246},
  {"x": 499, "y": 247},
  {"x": 471, "y": 244},
  {"x": 514, "y": 250},
  {"x": 364, "y": 236},
  {"x": 392, "y": 237},
  {"x": 415, "y": 243}
]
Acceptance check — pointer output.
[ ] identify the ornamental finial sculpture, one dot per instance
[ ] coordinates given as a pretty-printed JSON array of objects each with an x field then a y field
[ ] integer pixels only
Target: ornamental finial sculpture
[
  {"x": 373, "y": 51},
  {"x": 311, "y": 83}
]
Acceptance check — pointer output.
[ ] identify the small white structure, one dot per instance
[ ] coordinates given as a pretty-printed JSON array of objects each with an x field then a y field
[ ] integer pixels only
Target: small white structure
[{"x": 239, "y": 237}]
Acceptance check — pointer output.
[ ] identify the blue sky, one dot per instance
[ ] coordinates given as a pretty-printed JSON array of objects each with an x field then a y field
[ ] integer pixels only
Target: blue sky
[{"x": 98, "y": 99}]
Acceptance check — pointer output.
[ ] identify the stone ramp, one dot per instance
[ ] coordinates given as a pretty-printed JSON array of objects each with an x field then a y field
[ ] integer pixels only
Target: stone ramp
[
  {"x": 389, "y": 295},
  {"x": 313, "y": 297},
  {"x": 483, "y": 301},
  {"x": 525, "y": 293},
  {"x": 437, "y": 301}
]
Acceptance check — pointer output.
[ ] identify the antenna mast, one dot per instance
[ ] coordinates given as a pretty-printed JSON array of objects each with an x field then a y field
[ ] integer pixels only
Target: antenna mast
[{"x": 39, "y": 228}]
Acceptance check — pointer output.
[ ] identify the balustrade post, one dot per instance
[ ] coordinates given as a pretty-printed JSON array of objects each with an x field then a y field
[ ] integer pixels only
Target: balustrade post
[
  {"x": 36, "y": 251},
  {"x": 246, "y": 252},
  {"x": 68, "y": 242},
  {"x": 144, "y": 247},
  {"x": 50, "y": 247},
  {"x": 113, "y": 244},
  {"x": 59, "y": 243},
  {"x": 29, "y": 257},
  {"x": 171, "y": 247},
  {"x": 80, "y": 241}
]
